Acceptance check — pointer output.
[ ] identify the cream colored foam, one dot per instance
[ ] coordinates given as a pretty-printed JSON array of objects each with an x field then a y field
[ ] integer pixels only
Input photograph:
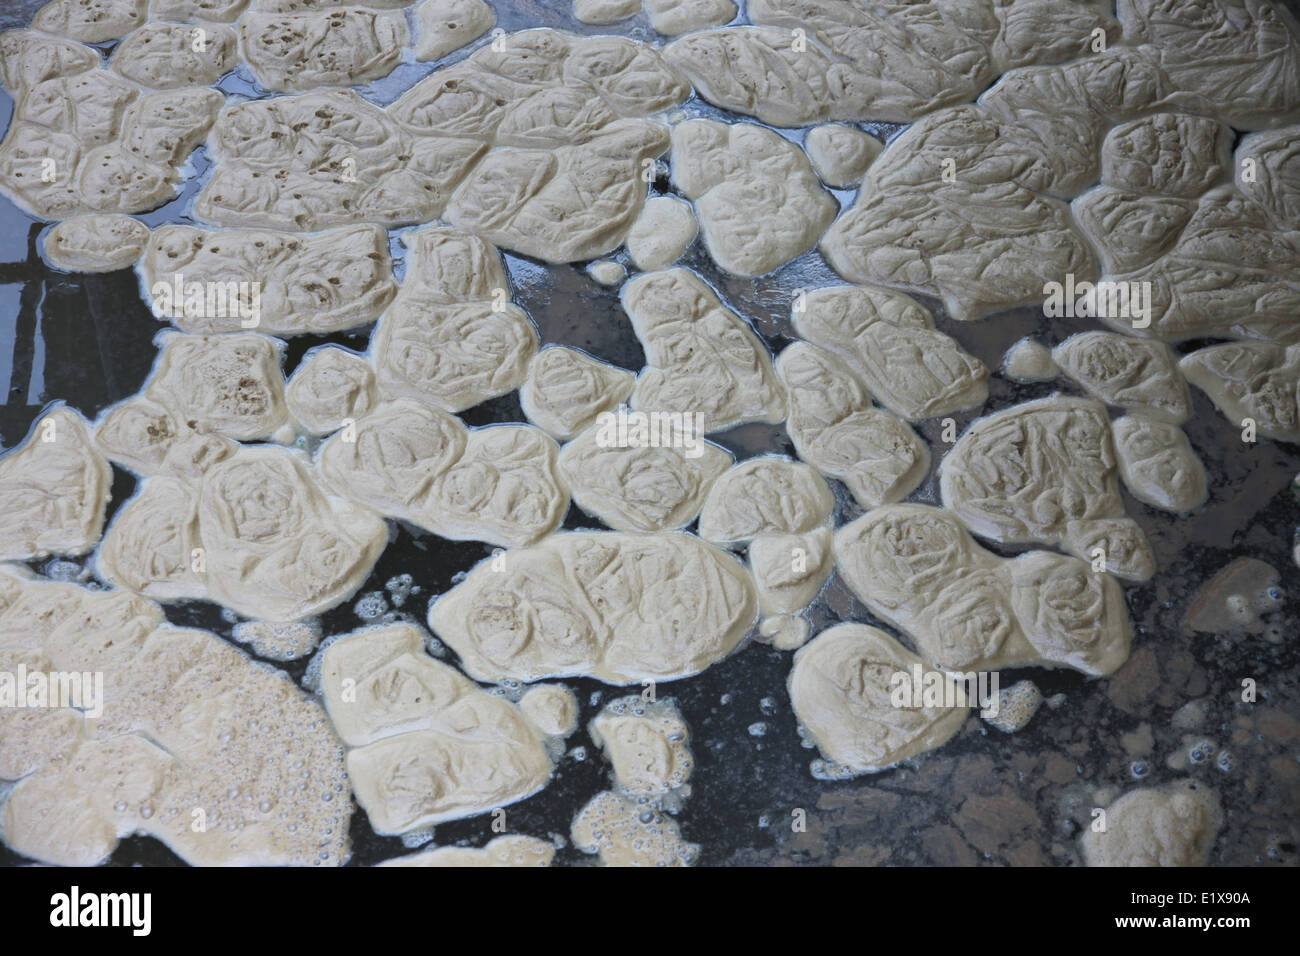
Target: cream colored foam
[
  {"x": 408, "y": 781},
  {"x": 330, "y": 387},
  {"x": 967, "y": 609},
  {"x": 144, "y": 436},
  {"x": 1229, "y": 273},
  {"x": 1016, "y": 707},
  {"x": 675, "y": 17},
  {"x": 409, "y": 461},
  {"x": 1127, "y": 229},
  {"x": 873, "y": 60},
  {"x": 625, "y": 833},
  {"x": 601, "y": 12},
  {"x": 980, "y": 240},
  {"x": 840, "y": 154},
  {"x": 566, "y": 390},
  {"x": 835, "y": 428},
  {"x": 227, "y": 384},
  {"x": 98, "y": 243},
  {"x": 451, "y": 338},
  {"x": 320, "y": 283},
  {"x": 790, "y": 569},
  {"x": 426, "y": 744},
  {"x": 30, "y": 57},
  {"x": 223, "y": 760},
  {"x": 214, "y": 11},
  {"x": 840, "y": 688},
  {"x": 701, "y": 357},
  {"x": 91, "y": 21},
  {"x": 661, "y": 233},
  {"x": 1065, "y": 494},
  {"x": 552, "y": 709},
  {"x": 1029, "y": 361},
  {"x": 268, "y": 172},
  {"x": 543, "y": 89},
  {"x": 1249, "y": 380},
  {"x": 758, "y": 201},
  {"x": 1119, "y": 370},
  {"x": 563, "y": 113},
  {"x": 1169, "y": 154},
  {"x": 447, "y": 25},
  {"x": 1158, "y": 465},
  {"x": 607, "y": 272},
  {"x": 984, "y": 240},
  {"x": 784, "y": 632},
  {"x": 164, "y": 56},
  {"x": 502, "y": 851},
  {"x": 765, "y": 495},
  {"x": 560, "y": 216},
  {"x": 889, "y": 342},
  {"x": 271, "y": 545},
  {"x": 306, "y": 51},
  {"x": 94, "y": 143},
  {"x": 1171, "y": 826},
  {"x": 278, "y": 642},
  {"x": 307, "y": 6},
  {"x": 640, "y": 488},
  {"x": 592, "y": 603},
  {"x": 648, "y": 744},
  {"x": 54, "y": 488},
  {"x": 1275, "y": 173}
]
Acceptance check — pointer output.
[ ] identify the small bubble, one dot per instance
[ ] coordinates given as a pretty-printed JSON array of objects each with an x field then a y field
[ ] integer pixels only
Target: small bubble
[
  {"x": 1269, "y": 599},
  {"x": 371, "y": 606},
  {"x": 399, "y": 589},
  {"x": 62, "y": 570}
]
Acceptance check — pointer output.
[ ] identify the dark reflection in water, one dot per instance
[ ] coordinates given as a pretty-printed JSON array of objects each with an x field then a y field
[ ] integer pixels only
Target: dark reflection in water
[{"x": 86, "y": 339}]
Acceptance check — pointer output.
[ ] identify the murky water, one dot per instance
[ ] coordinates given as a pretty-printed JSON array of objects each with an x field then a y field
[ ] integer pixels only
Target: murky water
[{"x": 986, "y": 797}]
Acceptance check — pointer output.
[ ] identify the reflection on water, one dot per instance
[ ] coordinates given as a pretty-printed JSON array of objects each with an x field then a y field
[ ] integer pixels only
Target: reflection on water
[{"x": 86, "y": 339}]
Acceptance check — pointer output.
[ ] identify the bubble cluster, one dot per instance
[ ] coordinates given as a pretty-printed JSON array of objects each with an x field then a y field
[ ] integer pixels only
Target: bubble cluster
[
  {"x": 371, "y": 607},
  {"x": 221, "y": 758},
  {"x": 279, "y": 642},
  {"x": 647, "y": 742},
  {"x": 399, "y": 588},
  {"x": 1017, "y": 705},
  {"x": 628, "y": 832}
]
